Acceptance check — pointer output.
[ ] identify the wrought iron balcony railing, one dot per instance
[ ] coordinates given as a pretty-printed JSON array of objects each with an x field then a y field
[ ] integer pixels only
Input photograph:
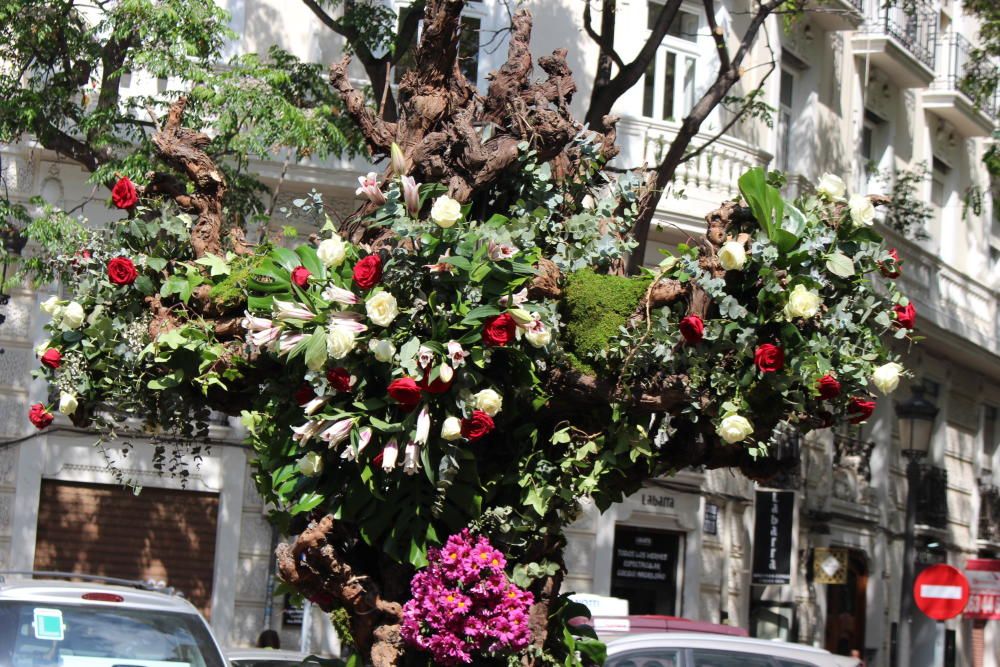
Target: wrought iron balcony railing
[
  {"x": 914, "y": 26},
  {"x": 959, "y": 71}
]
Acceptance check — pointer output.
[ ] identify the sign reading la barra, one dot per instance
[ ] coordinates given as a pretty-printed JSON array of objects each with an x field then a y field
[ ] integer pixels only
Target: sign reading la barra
[
  {"x": 772, "y": 538},
  {"x": 984, "y": 589}
]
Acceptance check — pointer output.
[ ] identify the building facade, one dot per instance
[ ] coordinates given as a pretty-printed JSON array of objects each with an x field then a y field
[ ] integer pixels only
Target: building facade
[{"x": 857, "y": 90}]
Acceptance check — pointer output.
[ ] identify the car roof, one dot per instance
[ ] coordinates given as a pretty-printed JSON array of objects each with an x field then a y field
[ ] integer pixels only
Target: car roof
[
  {"x": 703, "y": 640},
  {"x": 40, "y": 591}
]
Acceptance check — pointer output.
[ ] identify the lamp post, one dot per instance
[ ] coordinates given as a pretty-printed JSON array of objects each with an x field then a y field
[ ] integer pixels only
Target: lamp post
[{"x": 916, "y": 425}]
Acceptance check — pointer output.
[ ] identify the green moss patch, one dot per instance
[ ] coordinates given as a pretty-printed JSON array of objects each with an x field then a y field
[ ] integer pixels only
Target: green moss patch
[
  {"x": 231, "y": 291},
  {"x": 596, "y": 307}
]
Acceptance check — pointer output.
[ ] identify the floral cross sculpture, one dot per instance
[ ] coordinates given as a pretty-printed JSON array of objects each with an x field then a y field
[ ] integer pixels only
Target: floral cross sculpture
[{"x": 432, "y": 388}]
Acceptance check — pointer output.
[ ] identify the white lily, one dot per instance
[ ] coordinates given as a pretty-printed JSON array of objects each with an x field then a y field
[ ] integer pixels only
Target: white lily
[
  {"x": 254, "y": 324},
  {"x": 287, "y": 341},
  {"x": 348, "y": 321},
  {"x": 307, "y": 431},
  {"x": 411, "y": 458},
  {"x": 364, "y": 437},
  {"x": 336, "y": 294},
  {"x": 265, "y": 337},
  {"x": 313, "y": 406},
  {"x": 338, "y": 432},
  {"x": 423, "y": 426},
  {"x": 287, "y": 310},
  {"x": 389, "y": 455}
]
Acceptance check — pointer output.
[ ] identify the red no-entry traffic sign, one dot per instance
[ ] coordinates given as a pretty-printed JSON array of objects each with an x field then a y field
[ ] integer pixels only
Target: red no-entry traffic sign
[{"x": 941, "y": 592}]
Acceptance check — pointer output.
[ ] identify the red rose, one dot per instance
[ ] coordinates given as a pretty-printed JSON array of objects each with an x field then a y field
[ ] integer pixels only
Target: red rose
[
  {"x": 406, "y": 392},
  {"x": 477, "y": 426},
  {"x": 339, "y": 379},
  {"x": 304, "y": 394},
  {"x": 300, "y": 276},
  {"x": 891, "y": 269},
  {"x": 121, "y": 271},
  {"x": 769, "y": 358},
  {"x": 828, "y": 387},
  {"x": 438, "y": 386},
  {"x": 859, "y": 409},
  {"x": 693, "y": 329},
  {"x": 39, "y": 416},
  {"x": 123, "y": 194},
  {"x": 368, "y": 271},
  {"x": 499, "y": 330},
  {"x": 906, "y": 316},
  {"x": 52, "y": 358}
]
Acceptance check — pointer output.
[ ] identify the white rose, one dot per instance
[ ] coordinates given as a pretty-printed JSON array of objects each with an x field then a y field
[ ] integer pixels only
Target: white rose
[
  {"x": 451, "y": 429},
  {"x": 382, "y": 309},
  {"x": 446, "y": 211},
  {"x": 73, "y": 315},
  {"x": 331, "y": 251},
  {"x": 831, "y": 186},
  {"x": 339, "y": 342},
  {"x": 383, "y": 350},
  {"x": 41, "y": 347},
  {"x": 50, "y": 305},
  {"x": 67, "y": 403},
  {"x": 732, "y": 255},
  {"x": 886, "y": 377},
  {"x": 488, "y": 401},
  {"x": 538, "y": 336},
  {"x": 311, "y": 464},
  {"x": 734, "y": 428},
  {"x": 862, "y": 210},
  {"x": 802, "y": 302}
]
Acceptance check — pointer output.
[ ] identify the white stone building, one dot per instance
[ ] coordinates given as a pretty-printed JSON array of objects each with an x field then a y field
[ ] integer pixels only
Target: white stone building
[{"x": 857, "y": 89}]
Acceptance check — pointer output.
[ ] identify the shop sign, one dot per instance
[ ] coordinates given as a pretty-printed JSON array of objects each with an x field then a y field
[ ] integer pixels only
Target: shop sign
[
  {"x": 772, "y": 538},
  {"x": 984, "y": 589},
  {"x": 829, "y": 566},
  {"x": 291, "y": 615}
]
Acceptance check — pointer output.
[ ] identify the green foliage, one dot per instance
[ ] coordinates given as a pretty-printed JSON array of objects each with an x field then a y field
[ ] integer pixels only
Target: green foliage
[
  {"x": 597, "y": 309},
  {"x": 907, "y": 212}
]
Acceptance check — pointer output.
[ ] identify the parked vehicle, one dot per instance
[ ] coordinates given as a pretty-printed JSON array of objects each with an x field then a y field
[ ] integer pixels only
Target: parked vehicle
[
  {"x": 264, "y": 657},
  {"x": 46, "y": 623},
  {"x": 689, "y": 649},
  {"x": 611, "y": 627}
]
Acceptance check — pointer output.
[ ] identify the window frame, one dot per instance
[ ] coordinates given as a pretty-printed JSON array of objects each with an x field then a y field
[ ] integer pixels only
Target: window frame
[
  {"x": 784, "y": 127},
  {"x": 684, "y": 51},
  {"x": 473, "y": 9}
]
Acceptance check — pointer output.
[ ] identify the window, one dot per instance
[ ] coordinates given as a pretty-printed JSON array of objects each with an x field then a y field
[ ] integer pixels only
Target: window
[
  {"x": 990, "y": 434},
  {"x": 786, "y": 96},
  {"x": 650, "y": 657},
  {"x": 872, "y": 142},
  {"x": 644, "y": 569},
  {"x": 710, "y": 658},
  {"x": 939, "y": 192},
  {"x": 668, "y": 90}
]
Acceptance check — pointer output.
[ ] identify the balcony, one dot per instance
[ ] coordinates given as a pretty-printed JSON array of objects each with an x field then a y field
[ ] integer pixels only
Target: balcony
[
  {"x": 832, "y": 15},
  {"x": 899, "y": 41},
  {"x": 952, "y": 95}
]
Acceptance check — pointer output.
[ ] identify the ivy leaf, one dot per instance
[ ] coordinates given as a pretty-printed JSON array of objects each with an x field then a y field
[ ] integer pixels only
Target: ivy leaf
[
  {"x": 840, "y": 264},
  {"x": 217, "y": 265}
]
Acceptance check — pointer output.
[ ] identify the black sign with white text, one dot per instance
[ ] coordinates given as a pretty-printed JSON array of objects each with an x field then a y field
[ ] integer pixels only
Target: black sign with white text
[
  {"x": 772, "y": 538},
  {"x": 644, "y": 569}
]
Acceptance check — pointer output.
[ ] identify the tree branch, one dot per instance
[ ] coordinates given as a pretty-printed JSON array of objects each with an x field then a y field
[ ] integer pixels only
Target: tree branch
[{"x": 606, "y": 43}]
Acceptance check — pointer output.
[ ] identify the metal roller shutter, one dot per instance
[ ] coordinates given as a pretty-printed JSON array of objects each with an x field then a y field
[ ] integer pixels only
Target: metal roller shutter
[{"x": 161, "y": 534}]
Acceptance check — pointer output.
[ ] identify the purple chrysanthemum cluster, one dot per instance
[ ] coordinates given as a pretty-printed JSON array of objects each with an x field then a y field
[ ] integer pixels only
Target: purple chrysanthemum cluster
[{"x": 464, "y": 605}]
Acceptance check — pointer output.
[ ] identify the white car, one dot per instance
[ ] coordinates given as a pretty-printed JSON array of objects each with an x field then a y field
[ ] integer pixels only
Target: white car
[
  {"x": 264, "y": 657},
  {"x": 70, "y": 624},
  {"x": 691, "y": 649}
]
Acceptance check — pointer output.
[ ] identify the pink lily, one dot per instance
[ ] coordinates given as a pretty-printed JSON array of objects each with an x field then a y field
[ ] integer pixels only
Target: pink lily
[
  {"x": 389, "y": 455},
  {"x": 265, "y": 337},
  {"x": 307, "y": 431},
  {"x": 347, "y": 321},
  {"x": 364, "y": 437},
  {"x": 254, "y": 324},
  {"x": 287, "y": 310},
  {"x": 336, "y": 294},
  {"x": 338, "y": 432},
  {"x": 423, "y": 427},
  {"x": 518, "y": 298},
  {"x": 288, "y": 341},
  {"x": 456, "y": 353},
  {"x": 411, "y": 195},
  {"x": 499, "y": 251},
  {"x": 411, "y": 458},
  {"x": 370, "y": 188}
]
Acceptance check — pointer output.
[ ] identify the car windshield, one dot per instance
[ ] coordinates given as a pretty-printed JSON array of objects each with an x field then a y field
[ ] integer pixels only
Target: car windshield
[
  {"x": 47, "y": 635},
  {"x": 265, "y": 662}
]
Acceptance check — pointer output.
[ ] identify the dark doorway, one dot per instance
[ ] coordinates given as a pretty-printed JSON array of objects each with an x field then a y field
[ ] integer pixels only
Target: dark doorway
[
  {"x": 846, "y": 608},
  {"x": 644, "y": 569}
]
